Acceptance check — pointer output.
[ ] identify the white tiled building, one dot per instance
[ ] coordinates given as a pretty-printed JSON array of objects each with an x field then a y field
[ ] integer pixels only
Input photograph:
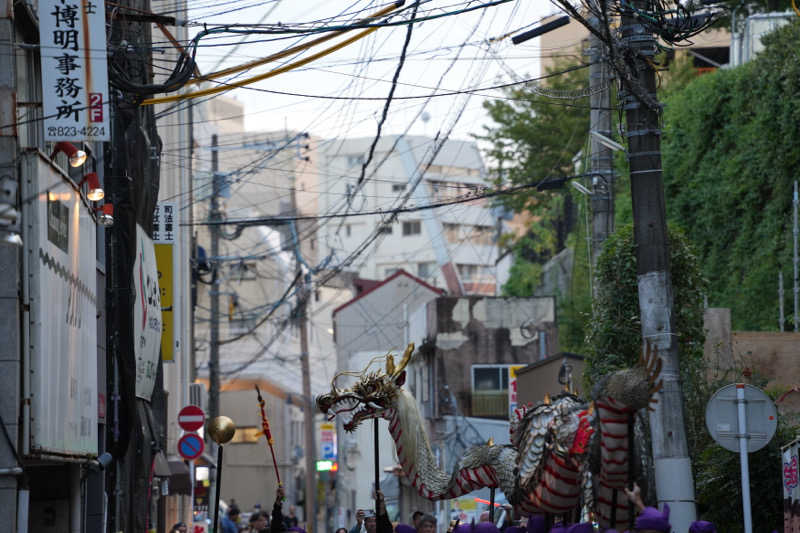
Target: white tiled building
[{"x": 467, "y": 230}]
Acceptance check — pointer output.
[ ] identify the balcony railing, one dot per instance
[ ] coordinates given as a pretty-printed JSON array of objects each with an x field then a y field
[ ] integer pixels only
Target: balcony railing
[{"x": 490, "y": 404}]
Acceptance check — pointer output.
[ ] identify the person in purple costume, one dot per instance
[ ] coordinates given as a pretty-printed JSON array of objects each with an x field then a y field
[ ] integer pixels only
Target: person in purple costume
[
  {"x": 701, "y": 526},
  {"x": 537, "y": 524}
]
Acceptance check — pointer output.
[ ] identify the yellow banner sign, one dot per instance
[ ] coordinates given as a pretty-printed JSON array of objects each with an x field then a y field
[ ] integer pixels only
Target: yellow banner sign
[{"x": 165, "y": 271}]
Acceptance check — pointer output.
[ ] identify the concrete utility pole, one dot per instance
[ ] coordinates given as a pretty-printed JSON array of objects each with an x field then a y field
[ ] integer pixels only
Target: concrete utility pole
[
  {"x": 214, "y": 216},
  {"x": 781, "y": 318},
  {"x": 673, "y": 472},
  {"x": 795, "y": 288},
  {"x": 602, "y": 158},
  {"x": 310, "y": 452}
]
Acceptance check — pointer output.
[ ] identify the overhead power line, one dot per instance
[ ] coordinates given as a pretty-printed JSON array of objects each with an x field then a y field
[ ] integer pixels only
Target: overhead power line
[{"x": 547, "y": 183}]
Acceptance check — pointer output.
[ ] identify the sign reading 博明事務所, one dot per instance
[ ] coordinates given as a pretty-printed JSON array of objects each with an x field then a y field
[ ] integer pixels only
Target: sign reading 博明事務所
[{"x": 72, "y": 37}]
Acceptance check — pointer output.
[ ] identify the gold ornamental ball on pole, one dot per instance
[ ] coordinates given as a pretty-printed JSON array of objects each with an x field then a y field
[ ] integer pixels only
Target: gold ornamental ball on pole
[{"x": 221, "y": 429}]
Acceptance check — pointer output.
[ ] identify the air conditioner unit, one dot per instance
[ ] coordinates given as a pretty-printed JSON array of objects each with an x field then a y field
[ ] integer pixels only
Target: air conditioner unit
[{"x": 197, "y": 395}]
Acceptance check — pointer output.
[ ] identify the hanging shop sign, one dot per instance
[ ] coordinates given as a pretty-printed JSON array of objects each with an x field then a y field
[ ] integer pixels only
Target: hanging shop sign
[
  {"x": 164, "y": 239},
  {"x": 60, "y": 292},
  {"x": 147, "y": 324},
  {"x": 72, "y": 37}
]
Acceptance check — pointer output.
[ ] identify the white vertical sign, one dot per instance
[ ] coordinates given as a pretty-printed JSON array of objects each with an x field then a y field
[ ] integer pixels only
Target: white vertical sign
[
  {"x": 147, "y": 325},
  {"x": 165, "y": 223},
  {"x": 61, "y": 292},
  {"x": 72, "y": 36}
]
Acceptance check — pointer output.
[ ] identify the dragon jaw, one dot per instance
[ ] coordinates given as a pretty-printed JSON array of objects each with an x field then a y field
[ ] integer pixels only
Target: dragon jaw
[
  {"x": 352, "y": 408},
  {"x": 373, "y": 395}
]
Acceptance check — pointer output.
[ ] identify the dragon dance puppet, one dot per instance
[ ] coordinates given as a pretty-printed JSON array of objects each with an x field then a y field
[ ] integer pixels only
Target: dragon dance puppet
[{"x": 564, "y": 452}]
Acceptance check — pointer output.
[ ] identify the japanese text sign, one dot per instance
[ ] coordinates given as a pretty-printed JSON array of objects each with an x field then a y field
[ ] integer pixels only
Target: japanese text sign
[{"x": 72, "y": 34}]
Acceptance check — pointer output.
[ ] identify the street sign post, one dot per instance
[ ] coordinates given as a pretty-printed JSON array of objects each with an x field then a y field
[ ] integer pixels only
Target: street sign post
[
  {"x": 191, "y": 418},
  {"x": 190, "y": 446},
  {"x": 742, "y": 418}
]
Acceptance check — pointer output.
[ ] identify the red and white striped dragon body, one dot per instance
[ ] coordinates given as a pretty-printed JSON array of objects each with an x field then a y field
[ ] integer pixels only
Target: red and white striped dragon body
[{"x": 545, "y": 469}]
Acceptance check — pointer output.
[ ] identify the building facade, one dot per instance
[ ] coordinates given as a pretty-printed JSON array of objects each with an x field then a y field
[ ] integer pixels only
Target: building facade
[{"x": 453, "y": 247}]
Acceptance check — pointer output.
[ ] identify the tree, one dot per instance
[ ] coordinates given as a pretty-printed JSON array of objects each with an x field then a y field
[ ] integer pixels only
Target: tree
[
  {"x": 614, "y": 337},
  {"x": 535, "y": 137}
]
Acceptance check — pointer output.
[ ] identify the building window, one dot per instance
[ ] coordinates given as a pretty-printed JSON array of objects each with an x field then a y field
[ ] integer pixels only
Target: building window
[
  {"x": 385, "y": 229},
  {"x": 469, "y": 272},
  {"x": 490, "y": 378},
  {"x": 411, "y": 227},
  {"x": 426, "y": 270},
  {"x": 489, "y": 391},
  {"x": 348, "y": 230},
  {"x": 389, "y": 271},
  {"x": 353, "y": 160},
  {"x": 452, "y": 232},
  {"x": 398, "y": 187}
]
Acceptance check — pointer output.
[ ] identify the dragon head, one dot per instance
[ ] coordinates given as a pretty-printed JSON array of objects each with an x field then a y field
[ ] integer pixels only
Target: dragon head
[{"x": 372, "y": 394}]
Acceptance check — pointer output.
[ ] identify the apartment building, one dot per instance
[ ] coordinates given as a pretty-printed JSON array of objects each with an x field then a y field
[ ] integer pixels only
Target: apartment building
[{"x": 409, "y": 172}]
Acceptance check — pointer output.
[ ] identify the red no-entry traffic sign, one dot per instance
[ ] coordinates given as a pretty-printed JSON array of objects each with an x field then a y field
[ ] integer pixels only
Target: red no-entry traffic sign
[
  {"x": 190, "y": 446},
  {"x": 191, "y": 418}
]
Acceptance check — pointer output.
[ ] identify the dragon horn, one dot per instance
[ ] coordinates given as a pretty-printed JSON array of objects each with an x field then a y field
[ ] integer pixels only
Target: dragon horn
[
  {"x": 390, "y": 365},
  {"x": 406, "y": 359}
]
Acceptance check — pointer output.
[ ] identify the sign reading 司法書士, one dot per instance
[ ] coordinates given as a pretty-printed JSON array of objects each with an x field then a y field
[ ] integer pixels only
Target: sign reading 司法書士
[{"x": 72, "y": 36}]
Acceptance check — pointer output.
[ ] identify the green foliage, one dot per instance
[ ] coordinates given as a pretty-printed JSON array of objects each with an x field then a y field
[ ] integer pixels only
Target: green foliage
[
  {"x": 730, "y": 156},
  {"x": 524, "y": 275},
  {"x": 534, "y": 137},
  {"x": 614, "y": 334}
]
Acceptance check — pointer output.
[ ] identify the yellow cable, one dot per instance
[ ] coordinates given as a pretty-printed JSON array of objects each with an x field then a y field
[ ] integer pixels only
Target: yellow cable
[
  {"x": 288, "y": 51},
  {"x": 270, "y": 74},
  {"x": 796, "y": 10}
]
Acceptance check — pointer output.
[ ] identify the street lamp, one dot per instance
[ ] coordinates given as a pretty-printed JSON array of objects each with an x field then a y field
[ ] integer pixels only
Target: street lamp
[
  {"x": 105, "y": 215},
  {"x": 96, "y": 192},
  {"x": 76, "y": 157},
  {"x": 607, "y": 142}
]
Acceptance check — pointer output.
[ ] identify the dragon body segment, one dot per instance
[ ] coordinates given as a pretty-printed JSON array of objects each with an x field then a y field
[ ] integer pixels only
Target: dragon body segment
[{"x": 545, "y": 470}]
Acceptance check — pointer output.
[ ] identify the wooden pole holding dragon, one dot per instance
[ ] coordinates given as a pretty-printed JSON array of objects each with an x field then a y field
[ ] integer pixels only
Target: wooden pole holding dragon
[
  {"x": 268, "y": 434},
  {"x": 542, "y": 471}
]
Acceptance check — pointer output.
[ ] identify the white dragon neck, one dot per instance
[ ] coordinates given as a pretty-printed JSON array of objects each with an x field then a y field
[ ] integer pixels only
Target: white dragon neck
[{"x": 420, "y": 464}]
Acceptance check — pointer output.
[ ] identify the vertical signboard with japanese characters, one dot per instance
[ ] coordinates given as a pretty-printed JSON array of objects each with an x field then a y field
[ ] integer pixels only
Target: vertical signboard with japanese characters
[
  {"x": 790, "y": 455},
  {"x": 164, "y": 239},
  {"x": 61, "y": 301},
  {"x": 72, "y": 37},
  {"x": 512, "y": 388},
  {"x": 327, "y": 439},
  {"x": 146, "y": 315}
]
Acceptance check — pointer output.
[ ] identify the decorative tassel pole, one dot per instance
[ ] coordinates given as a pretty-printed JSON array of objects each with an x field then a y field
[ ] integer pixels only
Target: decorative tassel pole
[
  {"x": 268, "y": 435},
  {"x": 377, "y": 465}
]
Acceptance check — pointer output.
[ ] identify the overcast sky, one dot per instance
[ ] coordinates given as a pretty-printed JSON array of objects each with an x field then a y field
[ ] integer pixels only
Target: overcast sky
[{"x": 450, "y": 53}]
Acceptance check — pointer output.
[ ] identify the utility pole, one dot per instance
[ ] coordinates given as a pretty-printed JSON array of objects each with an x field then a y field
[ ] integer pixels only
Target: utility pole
[
  {"x": 601, "y": 161},
  {"x": 310, "y": 453},
  {"x": 781, "y": 318},
  {"x": 214, "y": 216},
  {"x": 794, "y": 256},
  {"x": 673, "y": 471},
  {"x": 308, "y": 402}
]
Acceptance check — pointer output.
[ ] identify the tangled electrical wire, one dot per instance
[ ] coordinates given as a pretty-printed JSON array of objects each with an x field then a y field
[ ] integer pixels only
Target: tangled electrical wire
[{"x": 674, "y": 22}]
